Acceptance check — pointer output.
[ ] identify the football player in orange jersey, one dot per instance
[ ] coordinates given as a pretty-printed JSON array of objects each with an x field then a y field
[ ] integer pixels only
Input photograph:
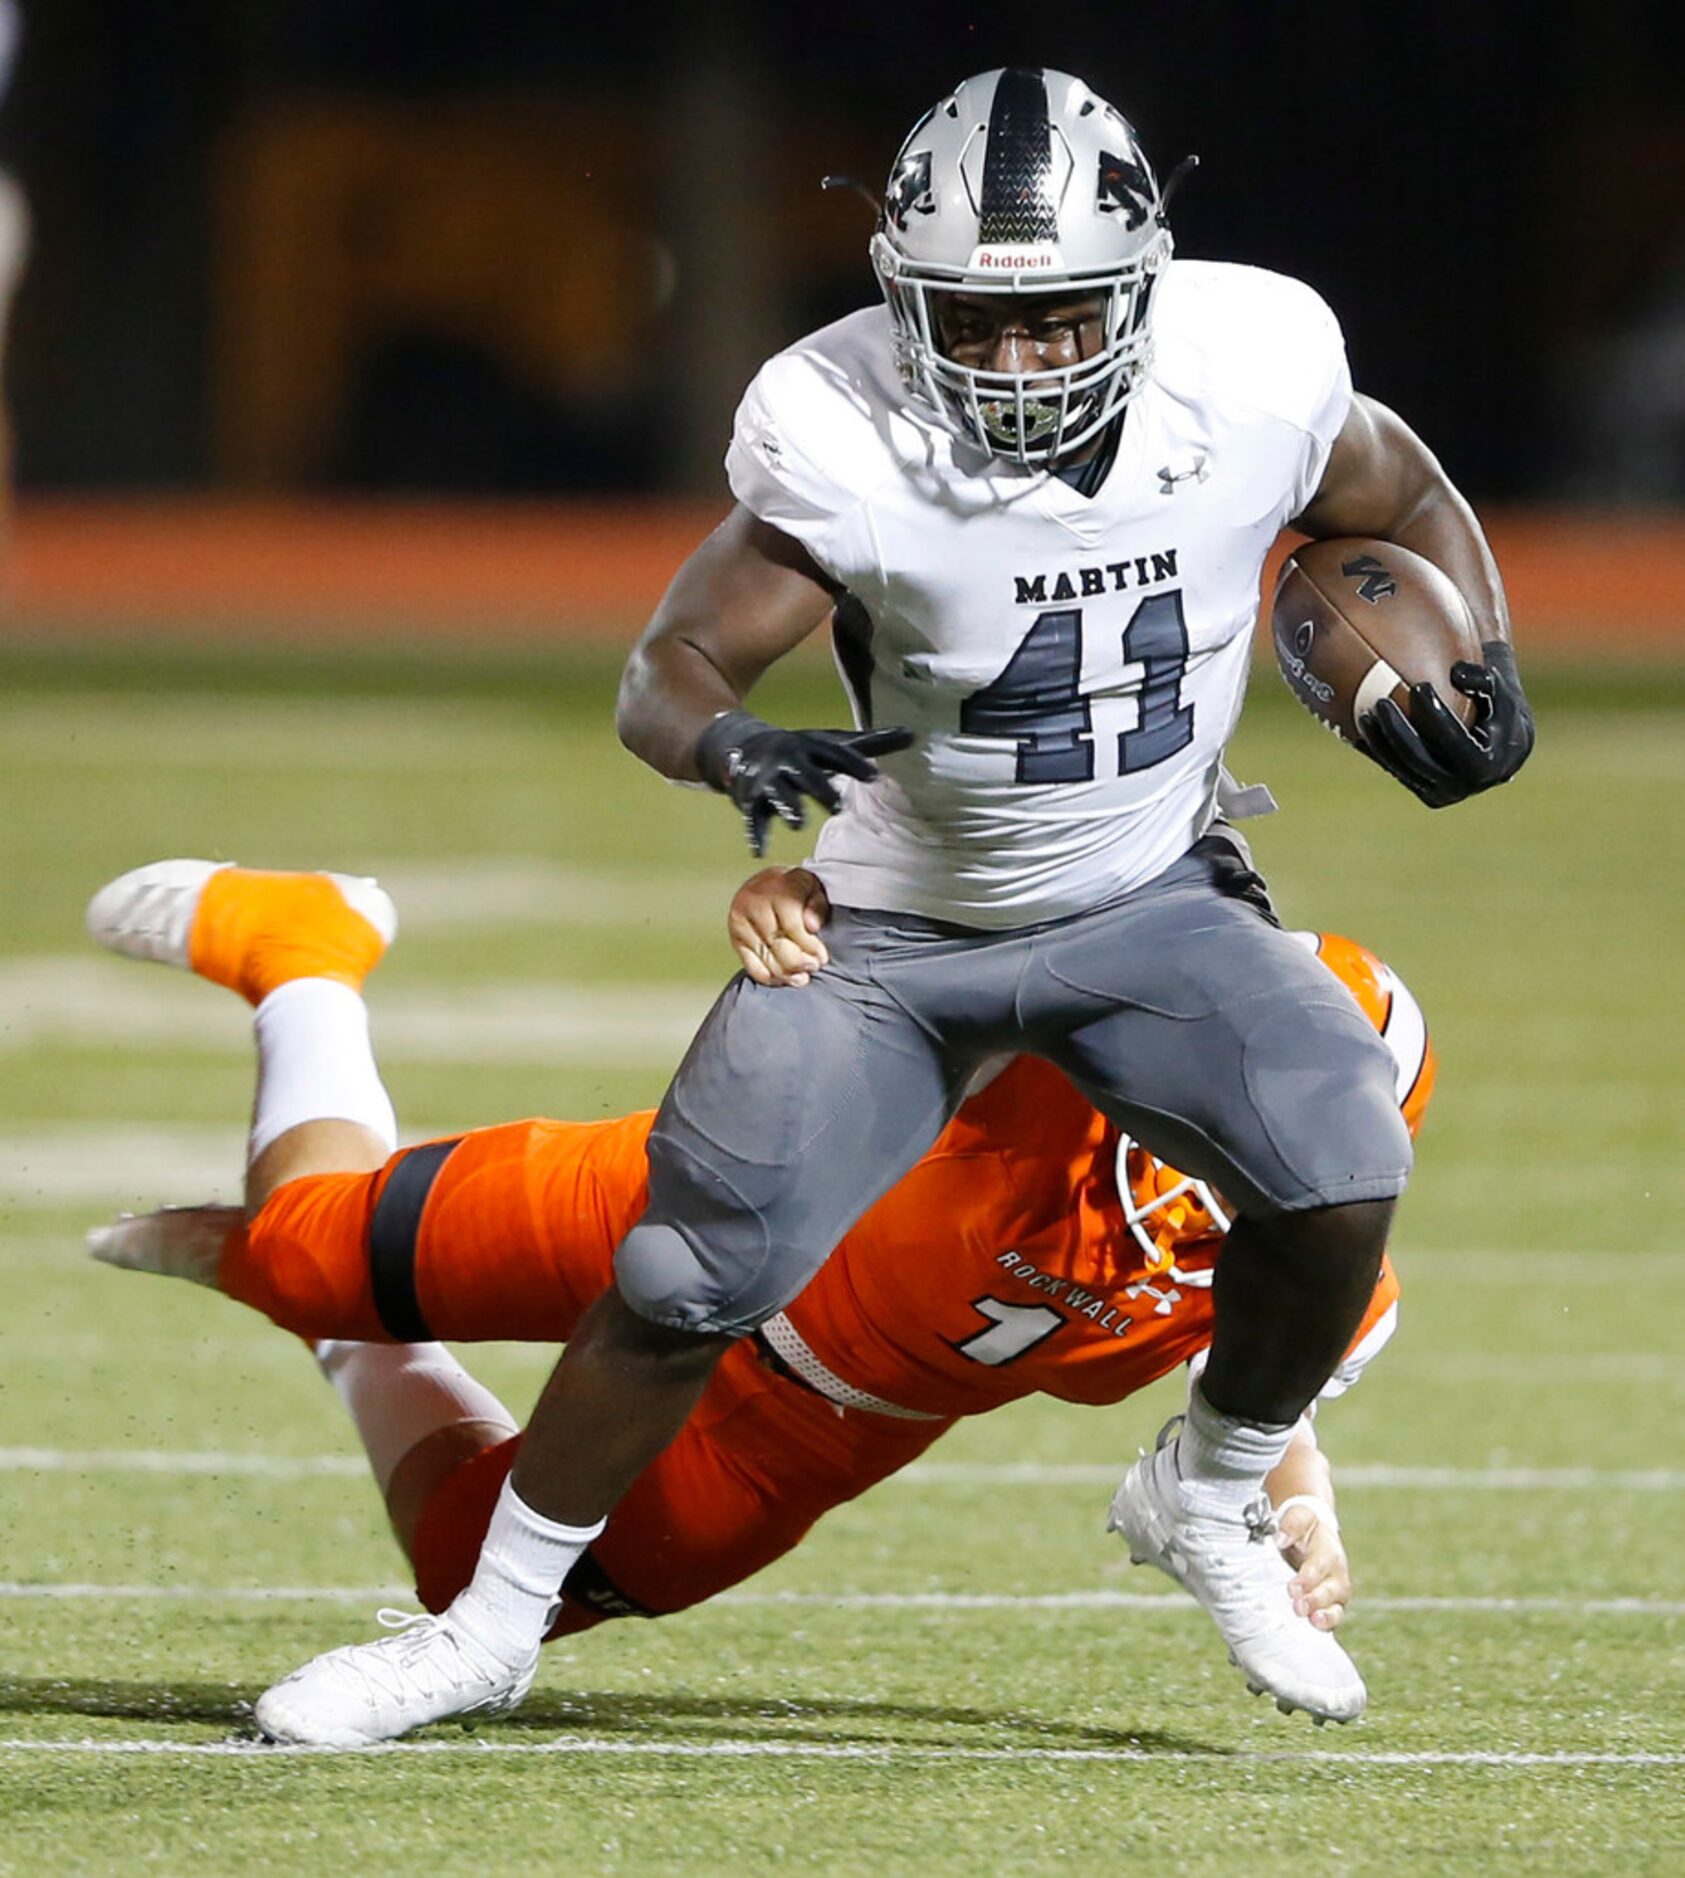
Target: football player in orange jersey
[{"x": 1032, "y": 1250}]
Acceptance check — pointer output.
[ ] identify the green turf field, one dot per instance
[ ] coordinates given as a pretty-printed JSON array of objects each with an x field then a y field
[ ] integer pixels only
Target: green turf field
[{"x": 961, "y": 1674}]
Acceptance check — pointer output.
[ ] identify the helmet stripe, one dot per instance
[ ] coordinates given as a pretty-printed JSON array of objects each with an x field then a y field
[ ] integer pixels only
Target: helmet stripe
[
  {"x": 1406, "y": 1035},
  {"x": 1017, "y": 195}
]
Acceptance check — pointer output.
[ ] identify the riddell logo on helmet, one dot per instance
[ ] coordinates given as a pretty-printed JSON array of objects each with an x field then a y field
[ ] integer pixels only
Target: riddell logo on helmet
[{"x": 1016, "y": 263}]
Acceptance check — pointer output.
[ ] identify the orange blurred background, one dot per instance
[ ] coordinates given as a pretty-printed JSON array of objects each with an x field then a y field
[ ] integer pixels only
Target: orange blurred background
[
  {"x": 344, "y": 316},
  {"x": 1580, "y": 584}
]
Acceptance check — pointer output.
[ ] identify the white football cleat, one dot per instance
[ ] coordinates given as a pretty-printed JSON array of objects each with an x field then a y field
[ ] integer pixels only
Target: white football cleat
[
  {"x": 1235, "y": 1570},
  {"x": 147, "y": 913},
  {"x": 366, "y": 1693},
  {"x": 251, "y": 929},
  {"x": 176, "y": 1241}
]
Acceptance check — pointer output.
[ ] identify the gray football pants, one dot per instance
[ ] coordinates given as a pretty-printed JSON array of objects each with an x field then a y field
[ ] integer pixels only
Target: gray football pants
[{"x": 1182, "y": 1011}]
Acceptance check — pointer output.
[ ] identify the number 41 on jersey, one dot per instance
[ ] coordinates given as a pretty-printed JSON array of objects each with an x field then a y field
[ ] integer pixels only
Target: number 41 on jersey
[{"x": 1038, "y": 700}]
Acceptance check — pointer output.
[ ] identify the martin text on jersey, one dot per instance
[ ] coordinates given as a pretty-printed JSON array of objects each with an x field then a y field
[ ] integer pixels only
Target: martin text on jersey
[{"x": 1083, "y": 583}]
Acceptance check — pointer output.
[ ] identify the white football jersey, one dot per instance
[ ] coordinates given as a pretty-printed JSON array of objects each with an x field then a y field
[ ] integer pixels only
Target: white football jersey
[{"x": 1072, "y": 666}]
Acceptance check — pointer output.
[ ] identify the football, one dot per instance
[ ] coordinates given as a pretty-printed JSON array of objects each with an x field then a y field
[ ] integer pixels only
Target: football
[{"x": 1356, "y": 621}]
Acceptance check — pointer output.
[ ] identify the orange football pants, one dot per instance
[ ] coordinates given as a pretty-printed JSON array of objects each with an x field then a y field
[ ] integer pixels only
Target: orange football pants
[
  {"x": 759, "y": 1460},
  {"x": 507, "y": 1236},
  {"x": 510, "y": 1235}
]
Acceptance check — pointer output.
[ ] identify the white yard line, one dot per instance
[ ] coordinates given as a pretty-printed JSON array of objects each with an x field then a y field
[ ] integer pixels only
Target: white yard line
[
  {"x": 1541, "y": 1368},
  {"x": 1172, "y": 1600},
  {"x": 1377, "y": 1475},
  {"x": 106, "y": 1004},
  {"x": 473, "y": 892},
  {"x": 1158, "y": 1603},
  {"x": 108, "y": 1165},
  {"x": 209, "y": 1594},
  {"x": 362, "y": 736},
  {"x": 1380, "y": 1476},
  {"x": 898, "y": 1753},
  {"x": 177, "y": 1461},
  {"x": 1515, "y": 1479}
]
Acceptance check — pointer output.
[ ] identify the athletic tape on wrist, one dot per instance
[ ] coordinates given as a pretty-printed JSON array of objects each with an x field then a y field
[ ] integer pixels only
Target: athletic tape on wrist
[{"x": 1319, "y": 1507}]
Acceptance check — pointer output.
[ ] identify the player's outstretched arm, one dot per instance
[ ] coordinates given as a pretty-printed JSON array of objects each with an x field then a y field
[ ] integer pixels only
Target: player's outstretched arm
[
  {"x": 1383, "y": 481},
  {"x": 744, "y": 598},
  {"x": 1301, "y": 1490},
  {"x": 774, "y": 924},
  {"x": 747, "y": 596}
]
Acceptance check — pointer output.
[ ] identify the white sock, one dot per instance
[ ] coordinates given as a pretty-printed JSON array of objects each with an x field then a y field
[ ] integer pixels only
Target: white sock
[
  {"x": 397, "y": 1394},
  {"x": 517, "y": 1584},
  {"x": 315, "y": 1063},
  {"x": 1223, "y": 1461}
]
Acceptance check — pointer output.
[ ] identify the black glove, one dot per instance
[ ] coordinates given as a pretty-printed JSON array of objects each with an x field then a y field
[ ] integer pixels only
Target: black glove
[
  {"x": 766, "y": 771},
  {"x": 1433, "y": 753}
]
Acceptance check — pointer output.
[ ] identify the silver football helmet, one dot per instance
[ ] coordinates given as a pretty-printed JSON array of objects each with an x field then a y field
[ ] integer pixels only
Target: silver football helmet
[{"x": 1023, "y": 182}]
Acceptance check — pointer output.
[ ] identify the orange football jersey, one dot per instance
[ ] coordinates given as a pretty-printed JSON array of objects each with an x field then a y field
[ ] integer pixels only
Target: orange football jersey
[{"x": 1001, "y": 1266}]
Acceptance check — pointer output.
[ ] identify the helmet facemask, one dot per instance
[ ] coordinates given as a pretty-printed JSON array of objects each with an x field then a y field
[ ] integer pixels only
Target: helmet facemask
[
  {"x": 1171, "y": 1215},
  {"x": 1036, "y": 416}
]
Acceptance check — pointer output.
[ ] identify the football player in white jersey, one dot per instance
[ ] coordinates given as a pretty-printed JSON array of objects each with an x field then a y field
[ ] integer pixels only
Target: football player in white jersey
[{"x": 1035, "y": 489}]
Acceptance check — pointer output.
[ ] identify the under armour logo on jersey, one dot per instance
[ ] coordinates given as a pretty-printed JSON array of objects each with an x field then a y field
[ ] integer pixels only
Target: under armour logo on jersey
[
  {"x": 909, "y": 190},
  {"x": 1378, "y": 584},
  {"x": 1164, "y": 1301},
  {"x": 1196, "y": 473},
  {"x": 1125, "y": 185}
]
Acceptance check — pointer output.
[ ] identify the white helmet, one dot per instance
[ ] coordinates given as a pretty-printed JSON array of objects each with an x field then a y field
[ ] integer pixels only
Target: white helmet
[{"x": 1023, "y": 181}]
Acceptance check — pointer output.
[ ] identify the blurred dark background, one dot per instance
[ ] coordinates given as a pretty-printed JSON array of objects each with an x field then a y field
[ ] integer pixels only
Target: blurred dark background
[{"x": 512, "y": 247}]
